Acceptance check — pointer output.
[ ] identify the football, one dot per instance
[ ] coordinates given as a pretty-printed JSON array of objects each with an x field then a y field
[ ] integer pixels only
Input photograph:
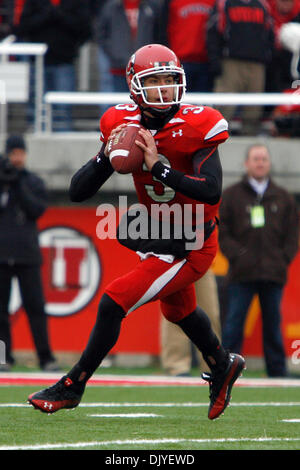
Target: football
[{"x": 125, "y": 156}]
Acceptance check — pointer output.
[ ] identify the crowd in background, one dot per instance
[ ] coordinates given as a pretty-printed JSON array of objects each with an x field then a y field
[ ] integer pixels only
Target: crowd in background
[{"x": 224, "y": 46}]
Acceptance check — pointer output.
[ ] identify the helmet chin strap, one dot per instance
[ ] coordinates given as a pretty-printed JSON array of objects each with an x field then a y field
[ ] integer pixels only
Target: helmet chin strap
[
  {"x": 156, "y": 112},
  {"x": 158, "y": 118}
]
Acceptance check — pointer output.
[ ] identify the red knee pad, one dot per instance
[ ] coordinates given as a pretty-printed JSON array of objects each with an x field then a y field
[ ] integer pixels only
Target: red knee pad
[{"x": 177, "y": 306}]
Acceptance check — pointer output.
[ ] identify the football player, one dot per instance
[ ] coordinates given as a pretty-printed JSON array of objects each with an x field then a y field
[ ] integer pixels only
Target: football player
[{"x": 182, "y": 167}]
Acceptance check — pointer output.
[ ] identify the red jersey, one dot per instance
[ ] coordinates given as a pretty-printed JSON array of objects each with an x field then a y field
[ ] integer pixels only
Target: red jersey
[
  {"x": 132, "y": 13},
  {"x": 187, "y": 28},
  {"x": 191, "y": 129},
  {"x": 18, "y": 8}
]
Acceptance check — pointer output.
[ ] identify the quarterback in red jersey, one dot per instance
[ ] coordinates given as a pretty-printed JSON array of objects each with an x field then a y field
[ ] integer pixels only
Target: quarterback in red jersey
[
  {"x": 189, "y": 130},
  {"x": 182, "y": 169}
]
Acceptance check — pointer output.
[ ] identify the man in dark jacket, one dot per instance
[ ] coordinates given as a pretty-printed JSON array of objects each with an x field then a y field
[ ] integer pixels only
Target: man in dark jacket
[
  {"x": 64, "y": 25},
  {"x": 240, "y": 44},
  {"x": 22, "y": 201},
  {"x": 259, "y": 236}
]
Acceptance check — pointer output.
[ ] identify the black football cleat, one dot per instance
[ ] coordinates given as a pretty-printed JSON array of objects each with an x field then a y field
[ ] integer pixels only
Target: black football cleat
[
  {"x": 63, "y": 394},
  {"x": 221, "y": 383}
]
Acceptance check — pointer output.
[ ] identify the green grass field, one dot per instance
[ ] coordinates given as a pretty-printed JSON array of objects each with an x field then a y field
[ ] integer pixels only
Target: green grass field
[{"x": 154, "y": 418}]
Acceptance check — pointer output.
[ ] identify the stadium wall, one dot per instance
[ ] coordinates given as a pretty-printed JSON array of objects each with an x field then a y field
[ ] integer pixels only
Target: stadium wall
[
  {"x": 57, "y": 156},
  {"x": 77, "y": 265}
]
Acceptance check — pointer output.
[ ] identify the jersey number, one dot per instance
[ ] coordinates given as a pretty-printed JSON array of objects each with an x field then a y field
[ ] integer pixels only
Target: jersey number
[
  {"x": 193, "y": 109},
  {"x": 127, "y": 107},
  {"x": 158, "y": 191}
]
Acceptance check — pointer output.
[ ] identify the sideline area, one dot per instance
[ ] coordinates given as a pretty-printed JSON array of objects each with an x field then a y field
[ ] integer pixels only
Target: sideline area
[{"x": 43, "y": 378}]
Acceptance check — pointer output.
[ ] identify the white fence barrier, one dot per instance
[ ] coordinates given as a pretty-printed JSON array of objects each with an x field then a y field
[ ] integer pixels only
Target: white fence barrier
[
  {"x": 8, "y": 48},
  {"x": 208, "y": 99}
]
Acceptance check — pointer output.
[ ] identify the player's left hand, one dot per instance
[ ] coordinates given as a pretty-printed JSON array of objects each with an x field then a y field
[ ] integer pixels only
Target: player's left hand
[
  {"x": 149, "y": 148},
  {"x": 112, "y": 135}
]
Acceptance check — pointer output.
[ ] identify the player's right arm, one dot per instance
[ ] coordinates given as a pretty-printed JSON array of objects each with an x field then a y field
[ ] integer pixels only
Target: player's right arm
[{"x": 89, "y": 178}]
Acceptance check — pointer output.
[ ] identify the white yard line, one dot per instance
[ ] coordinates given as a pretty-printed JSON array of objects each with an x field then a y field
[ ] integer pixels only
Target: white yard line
[
  {"x": 125, "y": 415},
  {"x": 151, "y": 442},
  {"x": 293, "y": 420},
  {"x": 36, "y": 378},
  {"x": 158, "y": 405},
  {"x": 82, "y": 445}
]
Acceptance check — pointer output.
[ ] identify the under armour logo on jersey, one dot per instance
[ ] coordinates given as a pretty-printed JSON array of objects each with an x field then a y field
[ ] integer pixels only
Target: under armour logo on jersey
[
  {"x": 174, "y": 133},
  {"x": 165, "y": 172}
]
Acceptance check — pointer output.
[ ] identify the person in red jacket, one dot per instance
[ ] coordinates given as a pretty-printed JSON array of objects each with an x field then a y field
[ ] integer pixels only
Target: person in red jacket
[
  {"x": 185, "y": 34},
  {"x": 10, "y": 12},
  {"x": 278, "y": 74}
]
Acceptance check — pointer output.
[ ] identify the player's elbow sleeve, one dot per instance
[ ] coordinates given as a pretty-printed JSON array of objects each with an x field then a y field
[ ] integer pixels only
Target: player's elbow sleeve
[
  {"x": 210, "y": 193},
  {"x": 215, "y": 197},
  {"x": 74, "y": 197},
  {"x": 75, "y": 193}
]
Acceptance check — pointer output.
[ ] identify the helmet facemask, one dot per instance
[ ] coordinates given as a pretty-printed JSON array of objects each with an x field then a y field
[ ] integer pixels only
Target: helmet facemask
[{"x": 139, "y": 90}]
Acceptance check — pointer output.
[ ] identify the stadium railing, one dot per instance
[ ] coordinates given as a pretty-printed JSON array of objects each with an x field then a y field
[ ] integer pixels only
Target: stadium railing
[
  {"x": 210, "y": 99},
  {"x": 9, "y": 48}
]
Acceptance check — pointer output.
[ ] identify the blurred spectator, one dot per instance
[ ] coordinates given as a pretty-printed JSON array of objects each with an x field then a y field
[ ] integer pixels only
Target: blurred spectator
[
  {"x": 176, "y": 348},
  {"x": 289, "y": 37},
  {"x": 106, "y": 84},
  {"x": 259, "y": 236},
  {"x": 279, "y": 77},
  {"x": 5, "y": 19},
  {"x": 18, "y": 8},
  {"x": 185, "y": 24},
  {"x": 125, "y": 26},
  {"x": 240, "y": 42},
  {"x": 64, "y": 25},
  {"x": 10, "y": 12},
  {"x": 22, "y": 201},
  {"x": 286, "y": 118}
]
